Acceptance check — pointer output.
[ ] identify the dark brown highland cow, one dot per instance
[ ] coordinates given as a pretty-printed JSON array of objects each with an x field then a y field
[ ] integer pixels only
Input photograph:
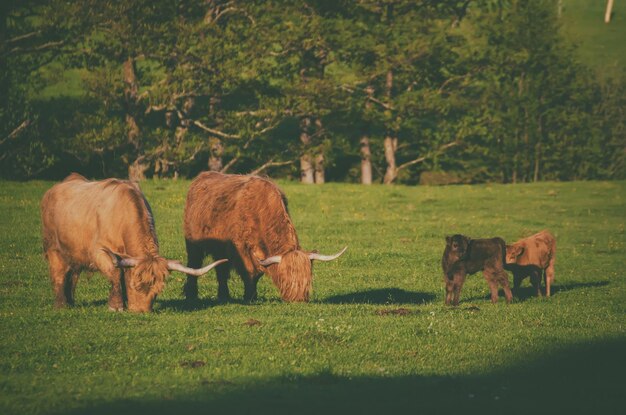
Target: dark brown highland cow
[
  {"x": 532, "y": 257},
  {"x": 245, "y": 219},
  {"x": 105, "y": 226},
  {"x": 464, "y": 256}
]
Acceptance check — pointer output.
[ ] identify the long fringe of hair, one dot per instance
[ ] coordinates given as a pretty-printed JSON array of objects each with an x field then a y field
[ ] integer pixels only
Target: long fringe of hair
[
  {"x": 150, "y": 274},
  {"x": 293, "y": 277}
]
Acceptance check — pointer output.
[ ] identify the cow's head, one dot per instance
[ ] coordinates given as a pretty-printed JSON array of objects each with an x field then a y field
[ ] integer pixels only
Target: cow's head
[
  {"x": 145, "y": 277},
  {"x": 292, "y": 272},
  {"x": 457, "y": 247},
  {"x": 513, "y": 252}
]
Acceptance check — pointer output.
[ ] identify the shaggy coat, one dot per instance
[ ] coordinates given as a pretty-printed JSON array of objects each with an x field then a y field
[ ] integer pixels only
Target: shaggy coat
[
  {"x": 464, "y": 255},
  {"x": 532, "y": 257},
  {"x": 104, "y": 226},
  {"x": 244, "y": 219}
]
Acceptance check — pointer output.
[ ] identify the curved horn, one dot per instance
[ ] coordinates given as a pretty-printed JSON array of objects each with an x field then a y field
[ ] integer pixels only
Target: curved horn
[
  {"x": 120, "y": 262},
  {"x": 177, "y": 266},
  {"x": 271, "y": 260},
  {"x": 319, "y": 257}
]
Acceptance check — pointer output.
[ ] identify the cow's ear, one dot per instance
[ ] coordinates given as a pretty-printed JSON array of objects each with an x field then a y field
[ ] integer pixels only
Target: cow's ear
[
  {"x": 519, "y": 250},
  {"x": 448, "y": 239}
]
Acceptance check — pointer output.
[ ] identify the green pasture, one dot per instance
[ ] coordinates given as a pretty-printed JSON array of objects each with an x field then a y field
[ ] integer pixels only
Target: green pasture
[
  {"x": 601, "y": 46},
  {"x": 376, "y": 337}
]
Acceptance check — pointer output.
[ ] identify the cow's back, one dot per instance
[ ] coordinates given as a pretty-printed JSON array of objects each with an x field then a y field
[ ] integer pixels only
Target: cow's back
[
  {"x": 483, "y": 252},
  {"x": 80, "y": 215},
  {"x": 239, "y": 209},
  {"x": 538, "y": 249}
]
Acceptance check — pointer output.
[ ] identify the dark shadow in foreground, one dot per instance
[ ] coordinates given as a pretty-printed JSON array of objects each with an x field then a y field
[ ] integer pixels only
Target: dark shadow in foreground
[
  {"x": 381, "y": 296},
  {"x": 581, "y": 379}
]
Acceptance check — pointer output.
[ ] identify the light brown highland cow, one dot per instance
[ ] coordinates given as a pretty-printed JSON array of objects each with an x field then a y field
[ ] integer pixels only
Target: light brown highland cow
[
  {"x": 533, "y": 257},
  {"x": 104, "y": 226},
  {"x": 245, "y": 219}
]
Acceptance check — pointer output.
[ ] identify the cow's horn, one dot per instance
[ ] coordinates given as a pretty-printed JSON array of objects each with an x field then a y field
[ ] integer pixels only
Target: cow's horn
[
  {"x": 271, "y": 260},
  {"x": 177, "y": 266},
  {"x": 319, "y": 257},
  {"x": 119, "y": 261}
]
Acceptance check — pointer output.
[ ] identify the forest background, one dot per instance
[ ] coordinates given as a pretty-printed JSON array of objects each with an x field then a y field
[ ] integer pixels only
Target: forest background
[{"x": 430, "y": 91}]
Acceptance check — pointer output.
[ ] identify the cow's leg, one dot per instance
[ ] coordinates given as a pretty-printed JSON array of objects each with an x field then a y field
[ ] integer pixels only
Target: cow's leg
[
  {"x": 492, "y": 280},
  {"x": 195, "y": 255},
  {"x": 549, "y": 276},
  {"x": 449, "y": 290},
  {"x": 535, "y": 280},
  {"x": 59, "y": 269},
  {"x": 71, "y": 279},
  {"x": 115, "y": 276},
  {"x": 248, "y": 273},
  {"x": 223, "y": 273},
  {"x": 517, "y": 280},
  {"x": 454, "y": 289},
  {"x": 503, "y": 279},
  {"x": 250, "y": 288}
]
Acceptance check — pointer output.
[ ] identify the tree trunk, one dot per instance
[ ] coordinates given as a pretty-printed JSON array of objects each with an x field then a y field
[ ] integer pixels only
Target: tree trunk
[
  {"x": 537, "y": 158},
  {"x": 136, "y": 170},
  {"x": 390, "y": 144},
  {"x": 319, "y": 158},
  {"x": 319, "y": 169},
  {"x": 609, "y": 8},
  {"x": 216, "y": 149},
  {"x": 306, "y": 162},
  {"x": 366, "y": 161}
]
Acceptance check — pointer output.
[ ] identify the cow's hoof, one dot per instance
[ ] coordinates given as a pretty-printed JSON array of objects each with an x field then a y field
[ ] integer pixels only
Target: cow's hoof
[{"x": 118, "y": 308}]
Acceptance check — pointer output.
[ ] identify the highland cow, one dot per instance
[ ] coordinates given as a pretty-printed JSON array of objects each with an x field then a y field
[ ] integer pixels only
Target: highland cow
[
  {"x": 104, "y": 226},
  {"x": 532, "y": 257},
  {"x": 245, "y": 219},
  {"x": 464, "y": 255}
]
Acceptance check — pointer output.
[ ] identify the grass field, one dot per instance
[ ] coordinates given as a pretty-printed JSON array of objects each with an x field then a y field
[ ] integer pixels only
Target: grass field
[
  {"x": 376, "y": 337},
  {"x": 600, "y": 46}
]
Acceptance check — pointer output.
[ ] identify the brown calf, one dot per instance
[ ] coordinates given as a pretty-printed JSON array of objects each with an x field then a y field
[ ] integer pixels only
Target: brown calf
[
  {"x": 464, "y": 255},
  {"x": 532, "y": 257}
]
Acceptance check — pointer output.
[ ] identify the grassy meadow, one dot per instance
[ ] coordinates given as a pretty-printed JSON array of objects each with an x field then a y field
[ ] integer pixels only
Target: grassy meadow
[{"x": 376, "y": 337}]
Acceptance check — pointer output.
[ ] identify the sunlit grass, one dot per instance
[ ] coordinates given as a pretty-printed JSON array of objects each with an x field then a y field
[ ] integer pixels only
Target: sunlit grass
[{"x": 376, "y": 335}]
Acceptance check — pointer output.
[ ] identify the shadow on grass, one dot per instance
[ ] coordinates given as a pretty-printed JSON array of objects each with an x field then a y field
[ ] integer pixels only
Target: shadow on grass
[
  {"x": 381, "y": 296},
  {"x": 526, "y": 291},
  {"x": 584, "y": 378}
]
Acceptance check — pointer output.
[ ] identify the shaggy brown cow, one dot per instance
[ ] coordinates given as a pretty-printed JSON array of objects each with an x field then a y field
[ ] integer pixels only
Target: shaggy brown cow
[
  {"x": 245, "y": 219},
  {"x": 464, "y": 256},
  {"x": 105, "y": 226},
  {"x": 530, "y": 257}
]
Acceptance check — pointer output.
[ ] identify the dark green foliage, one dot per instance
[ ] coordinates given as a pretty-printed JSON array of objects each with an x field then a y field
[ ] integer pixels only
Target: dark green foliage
[{"x": 228, "y": 84}]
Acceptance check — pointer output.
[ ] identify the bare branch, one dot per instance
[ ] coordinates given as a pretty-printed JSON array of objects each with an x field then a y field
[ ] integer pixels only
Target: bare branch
[
  {"x": 423, "y": 158},
  {"x": 270, "y": 163},
  {"x": 369, "y": 98},
  {"x": 215, "y": 132},
  {"x": 24, "y": 37},
  {"x": 229, "y": 164},
  {"x": 48, "y": 45},
  {"x": 16, "y": 131}
]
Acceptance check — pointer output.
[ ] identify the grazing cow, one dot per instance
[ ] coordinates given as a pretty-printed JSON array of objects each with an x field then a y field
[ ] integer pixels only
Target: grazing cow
[
  {"x": 530, "y": 257},
  {"x": 245, "y": 219},
  {"x": 464, "y": 255},
  {"x": 105, "y": 226}
]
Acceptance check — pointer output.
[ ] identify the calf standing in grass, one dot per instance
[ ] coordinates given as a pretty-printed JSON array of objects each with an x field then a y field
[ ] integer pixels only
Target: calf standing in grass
[
  {"x": 464, "y": 255},
  {"x": 532, "y": 257}
]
